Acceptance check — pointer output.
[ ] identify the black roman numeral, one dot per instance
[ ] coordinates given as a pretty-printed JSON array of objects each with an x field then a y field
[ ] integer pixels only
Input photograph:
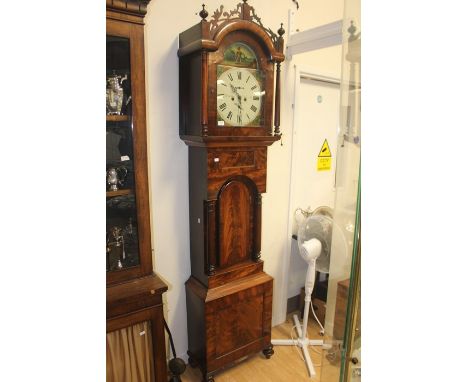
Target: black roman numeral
[
  {"x": 239, "y": 75},
  {"x": 253, "y": 108},
  {"x": 247, "y": 80},
  {"x": 222, "y": 106},
  {"x": 253, "y": 87},
  {"x": 230, "y": 76},
  {"x": 230, "y": 115},
  {"x": 239, "y": 118},
  {"x": 256, "y": 98}
]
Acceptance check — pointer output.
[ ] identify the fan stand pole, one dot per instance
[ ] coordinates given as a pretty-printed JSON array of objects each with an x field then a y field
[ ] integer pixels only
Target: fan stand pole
[{"x": 302, "y": 341}]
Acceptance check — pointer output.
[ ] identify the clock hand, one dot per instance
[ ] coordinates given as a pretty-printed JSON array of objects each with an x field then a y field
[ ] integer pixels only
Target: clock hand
[
  {"x": 233, "y": 88},
  {"x": 239, "y": 97}
]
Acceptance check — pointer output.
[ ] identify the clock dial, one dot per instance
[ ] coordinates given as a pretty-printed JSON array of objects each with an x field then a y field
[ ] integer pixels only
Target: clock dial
[{"x": 239, "y": 96}]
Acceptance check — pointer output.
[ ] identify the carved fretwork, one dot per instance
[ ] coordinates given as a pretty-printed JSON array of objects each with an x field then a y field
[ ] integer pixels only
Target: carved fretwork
[
  {"x": 243, "y": 11},
  {"x": 133, "y": 7}
]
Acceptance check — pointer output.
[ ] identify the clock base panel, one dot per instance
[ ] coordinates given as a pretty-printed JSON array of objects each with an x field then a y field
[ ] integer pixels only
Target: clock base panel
[{"x": 229, "y": 322}]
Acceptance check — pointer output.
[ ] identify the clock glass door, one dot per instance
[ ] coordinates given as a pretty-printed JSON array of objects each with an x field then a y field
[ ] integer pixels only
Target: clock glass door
[
  {"x": 121, "y": 212},
  {"x": 240, "y": 88}
]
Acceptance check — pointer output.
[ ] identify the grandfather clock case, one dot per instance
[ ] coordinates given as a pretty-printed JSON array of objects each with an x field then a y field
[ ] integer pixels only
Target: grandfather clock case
[{"x": 227, "y": 71}]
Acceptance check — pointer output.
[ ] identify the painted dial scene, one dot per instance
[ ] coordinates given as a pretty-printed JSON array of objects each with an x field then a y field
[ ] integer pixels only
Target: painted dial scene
[{"x": 239, "y": 96}]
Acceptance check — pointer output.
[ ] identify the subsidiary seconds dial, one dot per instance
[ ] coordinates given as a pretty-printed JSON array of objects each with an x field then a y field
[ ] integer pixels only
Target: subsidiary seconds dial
[{"x": 239, "y": 97}]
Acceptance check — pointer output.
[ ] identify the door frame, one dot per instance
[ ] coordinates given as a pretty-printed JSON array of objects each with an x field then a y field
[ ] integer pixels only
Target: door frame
[{"x": 309, "y": 72}]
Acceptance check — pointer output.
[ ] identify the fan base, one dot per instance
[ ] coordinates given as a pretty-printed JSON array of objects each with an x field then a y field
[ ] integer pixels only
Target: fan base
[{"x": 301, "y": 342}]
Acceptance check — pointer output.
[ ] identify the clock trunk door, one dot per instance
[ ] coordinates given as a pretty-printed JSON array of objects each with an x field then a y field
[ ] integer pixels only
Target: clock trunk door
[{"x": 236, "y": 209}]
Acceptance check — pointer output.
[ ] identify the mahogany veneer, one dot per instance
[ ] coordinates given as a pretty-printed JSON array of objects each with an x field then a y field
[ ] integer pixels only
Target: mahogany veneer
[{"x": 229, "y": 296}]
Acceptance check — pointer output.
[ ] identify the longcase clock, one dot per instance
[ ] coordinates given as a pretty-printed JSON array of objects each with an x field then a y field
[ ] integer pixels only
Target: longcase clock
[{"x": 228, "y": 67}]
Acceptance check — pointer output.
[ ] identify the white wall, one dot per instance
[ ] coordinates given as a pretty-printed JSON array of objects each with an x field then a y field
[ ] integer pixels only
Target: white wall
[
  {"x": 313, "y": 123},
  {"x": 168, "y": 155}
]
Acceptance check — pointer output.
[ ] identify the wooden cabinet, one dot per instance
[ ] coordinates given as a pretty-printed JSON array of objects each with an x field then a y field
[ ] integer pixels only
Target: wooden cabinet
[
  {"x": 227, "y": 92},
  {"x": 340, "y": 309},
  {"x": 127, "y": 198},
  {"x": 135, "y": 329},
  {"x": 137, "y": 302}
]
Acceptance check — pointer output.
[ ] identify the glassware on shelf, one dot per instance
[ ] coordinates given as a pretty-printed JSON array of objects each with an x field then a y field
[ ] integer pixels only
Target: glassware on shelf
[
  {"x": 123, "y": 239},
  {"x": 116, "y": 177},
  {"x": 115, "y": 248},
  {"x": 115, "y": 94},
  {"x": 122, "y": 246}
]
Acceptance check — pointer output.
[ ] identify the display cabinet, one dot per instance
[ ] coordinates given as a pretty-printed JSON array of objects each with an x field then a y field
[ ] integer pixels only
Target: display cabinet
[
  {"x": 341, "y": 358},
  {"x": 128, "y": 241},
  {"x": 134, "y": 292}
]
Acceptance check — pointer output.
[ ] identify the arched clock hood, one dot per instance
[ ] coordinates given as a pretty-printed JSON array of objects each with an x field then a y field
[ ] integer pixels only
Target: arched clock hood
[{"x": 198, "y": 47}]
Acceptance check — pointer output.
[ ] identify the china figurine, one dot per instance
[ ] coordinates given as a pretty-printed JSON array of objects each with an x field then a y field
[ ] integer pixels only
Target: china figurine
[
  {"x": 116, "y": 177},
  {"x": 114, "y": 94}
]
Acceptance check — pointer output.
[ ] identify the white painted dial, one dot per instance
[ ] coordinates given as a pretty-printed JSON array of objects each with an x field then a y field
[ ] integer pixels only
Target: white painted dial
[{"x": 239, "y": 98}]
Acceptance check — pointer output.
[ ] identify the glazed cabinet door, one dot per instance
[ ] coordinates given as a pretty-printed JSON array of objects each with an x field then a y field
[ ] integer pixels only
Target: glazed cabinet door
[{"x": 128, "y": 248}]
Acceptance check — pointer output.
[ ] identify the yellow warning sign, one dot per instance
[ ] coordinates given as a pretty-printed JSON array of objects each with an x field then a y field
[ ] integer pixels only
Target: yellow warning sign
[
  {"x": 325, "y": 150},
  {"x": 324, "y": 160},
  {"x": 324, "y": 164}
]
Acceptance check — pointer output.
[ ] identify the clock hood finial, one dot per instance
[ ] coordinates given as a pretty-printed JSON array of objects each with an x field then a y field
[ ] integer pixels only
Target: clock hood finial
[
  {"x": 281, "y": 31},
  {"x": 203, "y": 13}
]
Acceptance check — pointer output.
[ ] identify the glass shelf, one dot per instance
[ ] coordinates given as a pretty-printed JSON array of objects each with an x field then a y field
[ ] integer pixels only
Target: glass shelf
[
  {"x": 111, "y": 194},
  {"x": 117, "y": 118}
]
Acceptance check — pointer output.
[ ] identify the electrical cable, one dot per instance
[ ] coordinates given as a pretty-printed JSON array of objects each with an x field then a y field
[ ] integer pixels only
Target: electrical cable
[
  {"x": 170, "y": 339},
  {"x": 176, "y": 365},
  {"x": 322, "y": 331}
]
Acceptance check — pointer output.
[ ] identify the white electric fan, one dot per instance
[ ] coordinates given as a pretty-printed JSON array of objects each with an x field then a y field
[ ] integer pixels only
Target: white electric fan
[{"x": 314, "y": 241}]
